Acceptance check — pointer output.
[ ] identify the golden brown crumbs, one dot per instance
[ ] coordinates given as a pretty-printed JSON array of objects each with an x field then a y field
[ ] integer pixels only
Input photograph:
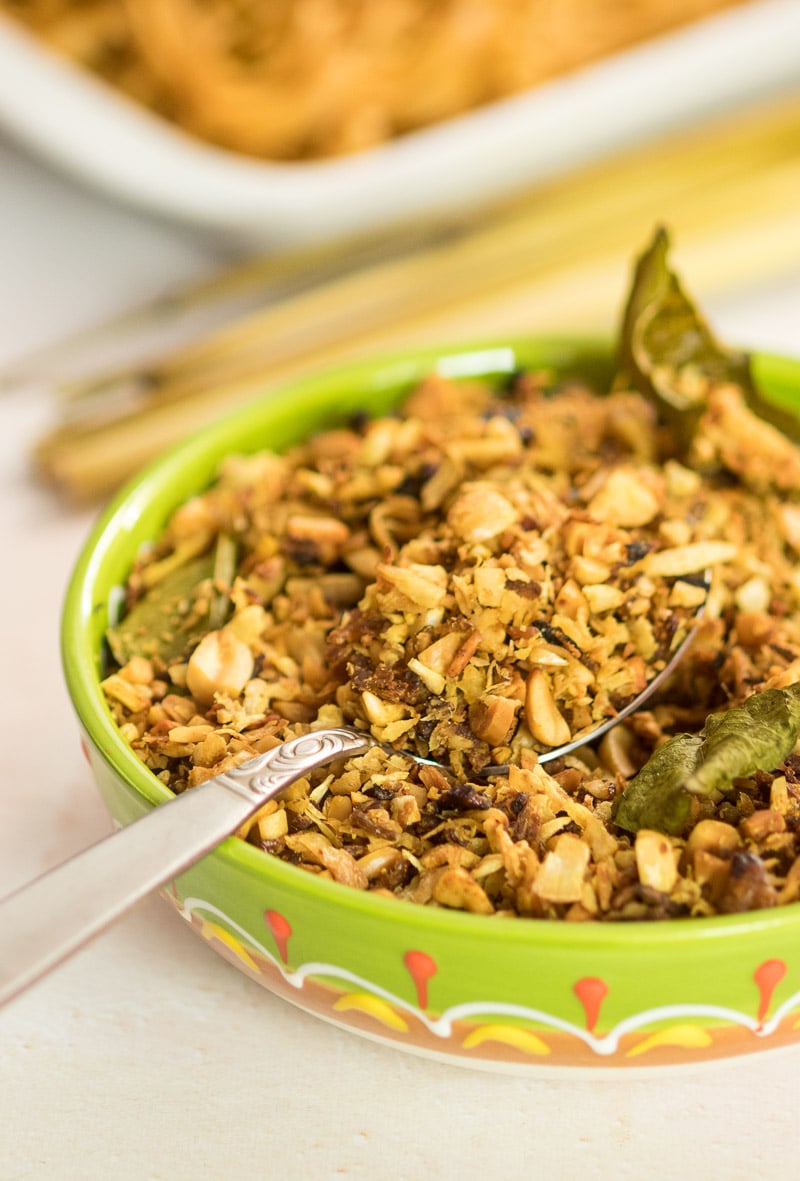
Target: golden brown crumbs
[{"x": 481, "y": 577}]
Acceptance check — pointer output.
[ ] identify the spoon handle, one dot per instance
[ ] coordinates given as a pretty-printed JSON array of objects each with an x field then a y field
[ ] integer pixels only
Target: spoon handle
[{"x": 43, "y": 923}]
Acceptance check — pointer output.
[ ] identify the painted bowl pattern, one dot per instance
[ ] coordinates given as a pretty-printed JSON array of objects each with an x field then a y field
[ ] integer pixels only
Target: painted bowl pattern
[{"x": 501, "y": 993}]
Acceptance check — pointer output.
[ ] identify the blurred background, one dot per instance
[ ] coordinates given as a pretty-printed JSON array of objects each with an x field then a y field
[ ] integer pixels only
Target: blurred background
[{"x": 293, "y": 183}]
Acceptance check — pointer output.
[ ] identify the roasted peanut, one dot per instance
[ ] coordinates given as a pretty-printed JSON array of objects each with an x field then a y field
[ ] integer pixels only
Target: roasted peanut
[
  {"x": 480, "y": 513},
  {"x": 221, "y": 663},
  {"x": 561, "y": 876},
  {"x": 656, "y": 861},
  {"x": 545, "y": 722},
  {"x": 492, "y": 718}
]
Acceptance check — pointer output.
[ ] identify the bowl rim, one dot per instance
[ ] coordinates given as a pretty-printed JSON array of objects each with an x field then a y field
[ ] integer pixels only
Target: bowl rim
[{"x": 80, "y": 660}]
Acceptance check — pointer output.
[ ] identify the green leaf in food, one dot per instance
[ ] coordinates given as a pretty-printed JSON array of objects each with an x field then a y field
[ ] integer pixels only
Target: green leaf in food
[
  {"x": 668, "y": 352},
  {"x": 170, "y": 619},
  {"x": 657, "y": 797},
  {"x": 756, "y": 736},
  {"x": 188, "y": 600}
]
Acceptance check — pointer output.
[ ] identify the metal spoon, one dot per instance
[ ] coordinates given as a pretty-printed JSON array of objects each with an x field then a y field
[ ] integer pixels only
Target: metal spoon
[{"x": 43, "y": 923}]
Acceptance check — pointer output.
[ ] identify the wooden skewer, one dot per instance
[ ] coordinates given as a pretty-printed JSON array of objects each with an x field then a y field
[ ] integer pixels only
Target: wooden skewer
[
  {"x": 556, "y": 260},
  {"x": 199, "y": 308},
  {"x": 556, "y": 225}
]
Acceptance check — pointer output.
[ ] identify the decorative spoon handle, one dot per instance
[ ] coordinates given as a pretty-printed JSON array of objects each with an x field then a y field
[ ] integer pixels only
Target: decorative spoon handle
[{"x": 46, "y": 921}]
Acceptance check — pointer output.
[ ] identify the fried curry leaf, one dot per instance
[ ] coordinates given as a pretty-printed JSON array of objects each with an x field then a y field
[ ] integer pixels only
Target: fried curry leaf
[
  {"x": 170, "y": 619},
  {"x": 177, "y": 610},
  {"x": 657, "y": 797},
  {"x": 668, "y": 352},
  {"x": 756, "y": 736}
]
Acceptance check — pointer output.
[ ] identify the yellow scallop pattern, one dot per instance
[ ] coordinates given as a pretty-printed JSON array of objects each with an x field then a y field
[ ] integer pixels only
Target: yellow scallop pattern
[
  {"x": 373, "y": 1006},
  {"x": 687, "y": 1037},
  {"x": 211, "y": 930},
  {"x": 508, "y": 1035}
]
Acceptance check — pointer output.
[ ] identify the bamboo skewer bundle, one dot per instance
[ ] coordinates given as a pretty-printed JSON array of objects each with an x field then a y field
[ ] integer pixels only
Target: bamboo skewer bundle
[{"x": 555, "y": 260}]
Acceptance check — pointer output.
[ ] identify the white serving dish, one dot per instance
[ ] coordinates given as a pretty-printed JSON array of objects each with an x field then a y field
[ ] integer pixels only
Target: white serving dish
[{"x": 98, "y": 136}]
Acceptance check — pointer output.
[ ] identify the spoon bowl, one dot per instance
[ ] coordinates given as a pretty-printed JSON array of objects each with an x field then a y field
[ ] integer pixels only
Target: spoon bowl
[{"x": 636, "y": 703}]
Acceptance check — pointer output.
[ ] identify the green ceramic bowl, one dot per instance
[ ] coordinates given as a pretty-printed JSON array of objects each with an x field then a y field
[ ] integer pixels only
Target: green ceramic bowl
[{"x": 488, "y": 992}]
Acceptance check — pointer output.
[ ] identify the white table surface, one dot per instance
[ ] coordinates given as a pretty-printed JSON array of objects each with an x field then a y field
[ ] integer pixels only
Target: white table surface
[{"x": 147, "y": 1058}]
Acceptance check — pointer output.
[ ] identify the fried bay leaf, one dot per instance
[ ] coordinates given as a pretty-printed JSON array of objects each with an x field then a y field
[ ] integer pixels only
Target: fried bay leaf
[
  {"x": 188, "y": 600},
  {"x": 668, "y": 352},
  {"x": 756, "y": 736}
]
